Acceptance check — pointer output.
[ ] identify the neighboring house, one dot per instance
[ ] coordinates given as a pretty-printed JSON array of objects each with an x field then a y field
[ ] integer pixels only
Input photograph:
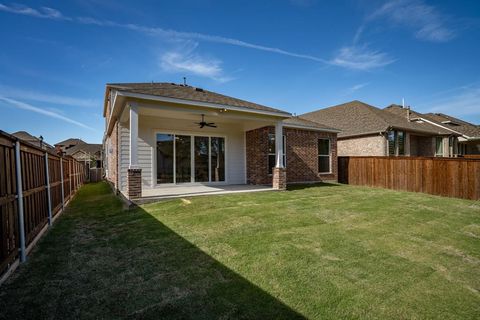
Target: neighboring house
[
  {"x": 469, "y": 140},
  {"x": 163, "y": 134},
  {"x": 370, "y": 131},
  {"x": 87, "y": 152},
  {"x": 64, "y": 145},
  {"x": 25, "y": 136}
]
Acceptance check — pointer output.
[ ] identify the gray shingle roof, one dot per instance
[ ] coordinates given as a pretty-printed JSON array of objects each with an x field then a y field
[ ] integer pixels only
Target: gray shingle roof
[
  {"x": 301, "y": 122},
  {"x": 464, "y": 127},
  {"x": 358, "y": 118},
  {"x": 172, "y": 90},
  {"x": 69, "y": 142},
  {"x": 25, "y": 136},
  {"x": 90, "y": 148}
]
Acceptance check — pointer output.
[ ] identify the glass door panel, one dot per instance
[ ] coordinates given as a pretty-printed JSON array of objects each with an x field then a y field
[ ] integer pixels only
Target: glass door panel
[
  {"x": 201, "y": 159},
  {"x": 164, "y": 158},
  {"x": 217, "y": 168},
  {"x": 183, "y": 163}
]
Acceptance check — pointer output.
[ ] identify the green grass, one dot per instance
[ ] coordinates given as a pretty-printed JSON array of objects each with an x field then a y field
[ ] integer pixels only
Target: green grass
[{"x": 323, "y": 252}]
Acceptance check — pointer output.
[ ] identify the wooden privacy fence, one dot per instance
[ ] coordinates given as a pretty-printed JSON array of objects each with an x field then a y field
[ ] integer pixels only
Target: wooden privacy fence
[
  {"x": 35, "y": 185},
  {"x": 449, "y": 177}
]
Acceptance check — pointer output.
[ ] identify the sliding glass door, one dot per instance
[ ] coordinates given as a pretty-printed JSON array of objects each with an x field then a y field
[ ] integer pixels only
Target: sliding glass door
[{"x": 185, "y": 158}]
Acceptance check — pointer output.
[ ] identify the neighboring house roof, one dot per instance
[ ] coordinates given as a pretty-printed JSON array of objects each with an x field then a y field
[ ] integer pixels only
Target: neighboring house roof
[
  {"x": 177, "y": 91},
  {"x": 25, "y": 136},
  {"x": 69, "y": 142},
  {"x": 357, "y": 118},
  {"x": 467, "y": 129},
  {"x": 89, "y": 148},
  {"x": 298, "y": 122}
]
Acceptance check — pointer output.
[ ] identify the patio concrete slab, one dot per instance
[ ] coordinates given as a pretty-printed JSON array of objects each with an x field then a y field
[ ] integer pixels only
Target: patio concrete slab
[{"x": 179, "y": 191}]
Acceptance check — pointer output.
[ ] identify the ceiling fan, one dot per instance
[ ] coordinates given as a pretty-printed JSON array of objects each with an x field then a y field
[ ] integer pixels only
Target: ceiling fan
[{"x": 203, "y": 123}]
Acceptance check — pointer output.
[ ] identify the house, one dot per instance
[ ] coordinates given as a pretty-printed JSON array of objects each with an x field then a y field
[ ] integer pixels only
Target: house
[
  {"x": 165, "y": 135},
  {"x": 87, "y": 152},
  {"x": 393, "y": 131},
  {"x": 469, "y": 139},
  {"x": 64, "y": 145},
  {"x": 25, "y": 136}
]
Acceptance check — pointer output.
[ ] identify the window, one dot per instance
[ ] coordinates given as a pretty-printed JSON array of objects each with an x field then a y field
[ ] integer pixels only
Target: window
[
  {"x": 271, "y": 152},
  {"x": 396, "y": 143},
  {"x": 324, "y": 161},
  {"x": 438, "y": 147}
]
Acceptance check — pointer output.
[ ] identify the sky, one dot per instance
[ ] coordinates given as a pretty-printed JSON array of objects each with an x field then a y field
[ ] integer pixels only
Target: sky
[{"x": 294, "y": 55}]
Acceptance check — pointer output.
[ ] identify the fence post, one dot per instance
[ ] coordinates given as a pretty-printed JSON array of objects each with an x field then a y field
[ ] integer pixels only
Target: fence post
[
  {"x": 61, "y": 178},
  {"x": 21, "y": 222},
  {"x": 49, "y": 200}
]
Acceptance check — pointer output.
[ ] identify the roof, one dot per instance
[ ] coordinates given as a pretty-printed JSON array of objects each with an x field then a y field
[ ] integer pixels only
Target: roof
[
  {"x": 307, "y": 124},
  {"x": 466, "y": 128},
  {"x": 356, "y": 118},
  {"x": 69, "y": 142},
  {"x": 185, "y": 92},
  {"x": 25, "y": 136},
  {"x": 90, "y": 148}
]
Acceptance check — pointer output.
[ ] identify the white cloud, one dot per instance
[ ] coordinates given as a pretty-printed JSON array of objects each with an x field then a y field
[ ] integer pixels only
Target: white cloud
[
  {"x": 51, "y": 114},
  {"x": 463, "y": 101},
  {"x": 427, "y": 23},
  {"x": 43, "y": 12},
  {"x": 171, "y": 33},
  {"x": 361, "y": 58},
  {"x": 357, "y": 87},
  {"x": 46, "y": 97}
]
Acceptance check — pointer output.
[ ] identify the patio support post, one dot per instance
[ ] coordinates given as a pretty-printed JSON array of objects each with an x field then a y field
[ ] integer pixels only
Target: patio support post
[
  {"x": 134, "y": 177},
  {"x": 279, "y": 172}
]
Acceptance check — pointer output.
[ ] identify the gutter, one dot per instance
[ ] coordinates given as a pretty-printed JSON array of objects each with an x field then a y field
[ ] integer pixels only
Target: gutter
[{"x": 310, "y": 128}]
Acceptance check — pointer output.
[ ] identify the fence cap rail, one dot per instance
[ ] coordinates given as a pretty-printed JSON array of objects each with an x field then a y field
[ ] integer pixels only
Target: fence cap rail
[{"x": 412, "y": 158}]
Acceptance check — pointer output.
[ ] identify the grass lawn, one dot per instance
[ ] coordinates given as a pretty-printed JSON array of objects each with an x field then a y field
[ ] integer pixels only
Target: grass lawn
[{"x": 322, "y": 252}]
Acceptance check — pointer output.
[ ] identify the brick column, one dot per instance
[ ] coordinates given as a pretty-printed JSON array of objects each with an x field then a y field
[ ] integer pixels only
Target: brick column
[
  {"x": 134, "y": 183},
  {"x": 279, "y": 179}
]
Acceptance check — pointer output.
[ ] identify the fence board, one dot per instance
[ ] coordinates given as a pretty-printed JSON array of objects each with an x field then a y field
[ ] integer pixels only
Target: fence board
[
  {"x": 35, "y": 196},
  {"x": 448, "y": 177}
]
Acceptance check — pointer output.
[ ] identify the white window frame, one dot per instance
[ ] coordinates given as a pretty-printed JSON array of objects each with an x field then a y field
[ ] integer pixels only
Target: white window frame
[
  {"x": 322, "y": 155},
  {"x": 442, "y": 145},
  {"x": 274, "y": 152}
]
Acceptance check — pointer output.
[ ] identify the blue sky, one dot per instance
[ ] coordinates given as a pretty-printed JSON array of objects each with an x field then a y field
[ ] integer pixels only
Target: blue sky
[{"x": 296, "y": 55}]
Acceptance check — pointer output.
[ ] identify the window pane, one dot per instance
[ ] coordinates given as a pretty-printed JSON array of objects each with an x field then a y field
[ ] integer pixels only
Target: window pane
[
  {"x": 164, "y": 158},
  {"x": 439, "y": 146},
  {"x": 391, "y": 143},
  {"x": 201, "y": 159},
  {"x": 271, "y": 143},
  {"x": 324, "y": 147},
  {"x": 323, "y": 164},
  {"x": 401, "y": 143},
  {"x": 183, "y": 162},
  {"x": 218, "y": 159},
  {"x": 271, "y": 163}
]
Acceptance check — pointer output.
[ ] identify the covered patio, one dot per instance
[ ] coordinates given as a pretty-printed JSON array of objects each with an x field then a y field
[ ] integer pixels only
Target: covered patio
[{"x": 180, "y": 191}]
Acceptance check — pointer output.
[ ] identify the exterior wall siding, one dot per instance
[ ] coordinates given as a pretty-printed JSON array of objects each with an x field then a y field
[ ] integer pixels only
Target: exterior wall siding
[
  {"x": 363, "y": 146},
  {"x": 301, "y": 155}
]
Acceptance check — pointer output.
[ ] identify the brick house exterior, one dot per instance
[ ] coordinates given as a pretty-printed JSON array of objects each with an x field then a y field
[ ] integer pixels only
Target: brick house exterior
[
  {"x": 301, "y": 155},
  {"x": 156, "y": 139}
]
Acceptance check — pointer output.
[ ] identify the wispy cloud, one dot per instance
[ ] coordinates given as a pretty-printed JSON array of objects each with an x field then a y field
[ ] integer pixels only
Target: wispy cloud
[
  {"x": 461, "y": 101},
  {"x": 361, "y": 58},
  {"x": 187, "y": 61},
  {"x": 47, "y": 97},
  {"x": 51, "y": 114},
  {"x": 357, "y": 87},
  {"x": 167, "y": 33},
  {"x": 425, "y": 20},
  {"x": 43, "y": 12}
]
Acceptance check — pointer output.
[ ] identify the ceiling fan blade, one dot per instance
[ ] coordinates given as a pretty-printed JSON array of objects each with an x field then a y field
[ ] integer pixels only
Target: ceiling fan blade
[{"x": 211, "y": 125}]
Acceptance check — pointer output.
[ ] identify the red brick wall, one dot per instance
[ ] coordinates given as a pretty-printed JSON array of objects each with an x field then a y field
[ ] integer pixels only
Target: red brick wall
[{"x": 301, "y": 154}]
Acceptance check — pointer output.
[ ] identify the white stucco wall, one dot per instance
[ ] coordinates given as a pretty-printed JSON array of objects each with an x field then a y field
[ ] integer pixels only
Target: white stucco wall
[{"x": 149, "y": 126}]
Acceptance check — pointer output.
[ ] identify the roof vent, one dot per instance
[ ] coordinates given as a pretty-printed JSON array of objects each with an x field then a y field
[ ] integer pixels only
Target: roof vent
[{"x": 199, "y": 89}]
